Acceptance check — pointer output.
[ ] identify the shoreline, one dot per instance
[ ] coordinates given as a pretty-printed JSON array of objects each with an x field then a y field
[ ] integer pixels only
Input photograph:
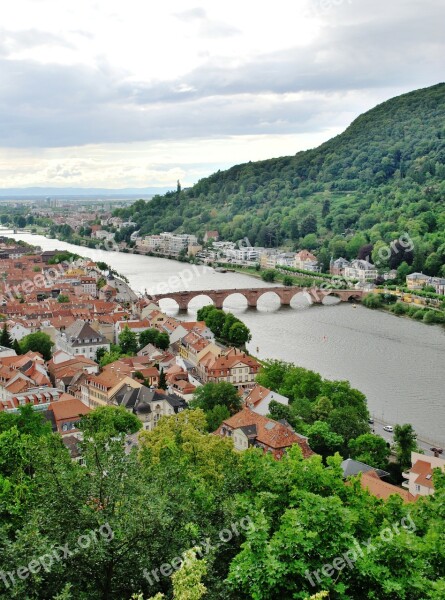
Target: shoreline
[{"x": 235, "y": 271}]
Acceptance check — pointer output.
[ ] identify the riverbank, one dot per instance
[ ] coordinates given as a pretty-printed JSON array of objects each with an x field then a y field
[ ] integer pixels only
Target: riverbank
[
  {"x": 392, "y": 304},
  {"x": 396, "y": 363}
]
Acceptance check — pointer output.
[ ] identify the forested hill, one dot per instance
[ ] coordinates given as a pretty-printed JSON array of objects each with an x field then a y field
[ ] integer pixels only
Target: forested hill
[{"x": 383, "y": 176}]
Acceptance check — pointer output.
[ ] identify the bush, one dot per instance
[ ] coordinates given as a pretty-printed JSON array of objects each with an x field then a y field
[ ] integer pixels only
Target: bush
[
  {"x": 400, "y": 309},
  {"x": 373, "y": 301},
  {"x": 269, "y": 275}
]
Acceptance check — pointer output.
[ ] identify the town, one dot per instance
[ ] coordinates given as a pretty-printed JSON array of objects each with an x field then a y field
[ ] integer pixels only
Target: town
[{"x": 76, "y": 338}]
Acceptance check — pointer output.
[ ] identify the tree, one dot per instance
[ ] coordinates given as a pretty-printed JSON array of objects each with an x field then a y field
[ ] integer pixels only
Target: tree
[
  {"x": 16, "y": 347},
  {"x": 269, "y": 275},
  {"x": 128, "y": 341},
  {"x": 110, "y": 357},
  {"x": 370, "y": 449},
  {"x": 239, "y": 334},
  {"x": 212, "y": 394},
  {"x": 37, "y": 342},
  {"x": 5, "y": 338},
  {"x": 148, "y": 336},
  {"x": 109, "y": 421},
  {"x": 323, "y": 440},
  {"x": 162, "y": 380},
  {"x": 347, "y": 423},
  {"x": 405, "y": 440},
  {"x": 100, "y": 353},
  {"x": 403, "y": 270},
  {"x": 216, "y": 415},
  {"x": 63, "y": 298},
  {"x": 322, "y": 408},
  {"x": 215, "y": 320},
  {"x": 187, "y": 583},
  {"x": 288, "y": 280},
  {"x": 163, "y": 341},
  {"x": 308, "y": 225}
]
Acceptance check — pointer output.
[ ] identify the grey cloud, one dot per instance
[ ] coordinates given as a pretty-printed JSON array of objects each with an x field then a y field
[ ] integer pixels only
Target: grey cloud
[
  {"x": 29, "y": 38},
  {"x": 377, "y": 51}
]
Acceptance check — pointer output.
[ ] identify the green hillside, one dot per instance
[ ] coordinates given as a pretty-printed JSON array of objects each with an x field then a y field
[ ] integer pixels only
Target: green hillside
[{"x": 385, "y": 175}]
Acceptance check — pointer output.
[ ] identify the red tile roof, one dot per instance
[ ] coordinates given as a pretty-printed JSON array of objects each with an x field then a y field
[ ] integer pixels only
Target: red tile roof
[
  {"x": 269, "y": 432},
  {"x": 381, "y": 489}
]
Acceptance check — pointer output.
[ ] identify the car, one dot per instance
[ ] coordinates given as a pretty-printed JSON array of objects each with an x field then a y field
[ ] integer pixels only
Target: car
[
  {"x": 388, "y": 428},
  {"x": 371, "y": 421}
]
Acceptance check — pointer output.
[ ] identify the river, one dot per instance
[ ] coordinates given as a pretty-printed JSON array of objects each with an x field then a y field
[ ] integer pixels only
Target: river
[{"x": 397, "y": 362}]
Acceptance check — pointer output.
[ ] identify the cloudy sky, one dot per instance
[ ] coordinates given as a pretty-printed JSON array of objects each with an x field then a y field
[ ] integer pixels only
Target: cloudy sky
[{"x": 135, "y": 93}]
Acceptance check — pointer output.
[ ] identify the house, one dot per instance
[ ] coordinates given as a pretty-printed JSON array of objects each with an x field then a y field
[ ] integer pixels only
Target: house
[
  {"x": 416, "y": 281},
  {"x": 6, "y": 352},
  {"x": 248, "y": 429},
  {"x": 211, "y": 236},
  {"x": 306, "y": 261},
  {"x": 235, "y": 367},
  {"x": 21, "y": 373},
  {"x": 338, "y": 266},
  {"x": 40, "y": 398},
  {"x": 268, "y": 259},
  {"x": 81, "y": 339},
  {"x": 259, "y": 398},
  {"x": 361, "y": 270},
  {"x": 67, "y": 413},
  {"x": 439, "y": 284},
  {"x": 371, "y": 479},
  {"x": 419, "y": 479},
  {"x": 136, "y": 327},
  {"x": 99, "y": 390},
  {"x": 149, "y": 405}
]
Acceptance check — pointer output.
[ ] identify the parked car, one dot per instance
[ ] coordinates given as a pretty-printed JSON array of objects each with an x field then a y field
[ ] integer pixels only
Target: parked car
[
  {"x": 371, "y": 421},
  {"x": 388, "y": 428}
]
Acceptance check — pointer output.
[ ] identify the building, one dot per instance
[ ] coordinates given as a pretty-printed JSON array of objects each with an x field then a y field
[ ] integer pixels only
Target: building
[
  {"x": 67, "y": 414},
  {"x": 149, "y": 405},
  {"x": 419, "y": 479},
  {"x": 81, "y": 339},
  {"x": 211, "y": 236},
  {"x": 338, "y": 266},
  {"x": 416, "y": 281},
  {"x": 235, "y": 367},
  {"x": 259, "y": 398},
  {"x": 249, "y": 429},
  {"x": 306, "y": 261},
  {"x": 361, "y": 270},
  {"x": 371, "y": 479}
]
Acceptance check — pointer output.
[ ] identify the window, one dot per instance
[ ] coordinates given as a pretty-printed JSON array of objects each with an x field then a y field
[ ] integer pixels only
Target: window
[{"x": 417, "y": 488}]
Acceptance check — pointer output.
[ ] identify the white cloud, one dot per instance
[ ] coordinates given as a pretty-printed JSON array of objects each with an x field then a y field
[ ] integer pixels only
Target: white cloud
[{"x": 232, "y": 81}]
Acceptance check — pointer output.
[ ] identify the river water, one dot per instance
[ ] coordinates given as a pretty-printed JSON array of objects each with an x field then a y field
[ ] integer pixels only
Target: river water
[{"x": 399, "y": 364}]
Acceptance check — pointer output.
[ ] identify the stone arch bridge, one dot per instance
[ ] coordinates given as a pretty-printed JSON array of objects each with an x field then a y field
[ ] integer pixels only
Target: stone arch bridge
[{"x": 252, "y": 295}]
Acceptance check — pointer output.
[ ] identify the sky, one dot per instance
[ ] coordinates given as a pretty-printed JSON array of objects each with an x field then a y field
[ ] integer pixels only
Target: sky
[{"x": 135, "y": 93}]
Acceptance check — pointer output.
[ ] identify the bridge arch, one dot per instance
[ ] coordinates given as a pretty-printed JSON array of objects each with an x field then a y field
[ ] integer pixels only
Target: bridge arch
[
  {"x": 169, "y": 305},
  {"x": 199, "y": 301},
  {"x": 301, "y": 298},
  {"x": 266, "y": 295},
  {"x": 236, "y": 297}
]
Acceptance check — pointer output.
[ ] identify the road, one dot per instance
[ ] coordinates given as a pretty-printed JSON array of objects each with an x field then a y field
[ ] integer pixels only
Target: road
[{"x": 377, "y": 428}]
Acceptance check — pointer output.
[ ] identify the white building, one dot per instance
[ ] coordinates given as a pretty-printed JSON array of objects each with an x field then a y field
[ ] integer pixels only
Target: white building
[
  {"x": 259, "y": 399},
  {"x": 80, "y": 339},
  {"x": 361, "y": 270},
  {"x": 419, "y": 479}
]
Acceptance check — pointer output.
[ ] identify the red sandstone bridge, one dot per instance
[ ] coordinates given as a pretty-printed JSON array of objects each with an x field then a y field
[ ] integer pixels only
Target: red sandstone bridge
[{"x": 252, "y": 295}]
